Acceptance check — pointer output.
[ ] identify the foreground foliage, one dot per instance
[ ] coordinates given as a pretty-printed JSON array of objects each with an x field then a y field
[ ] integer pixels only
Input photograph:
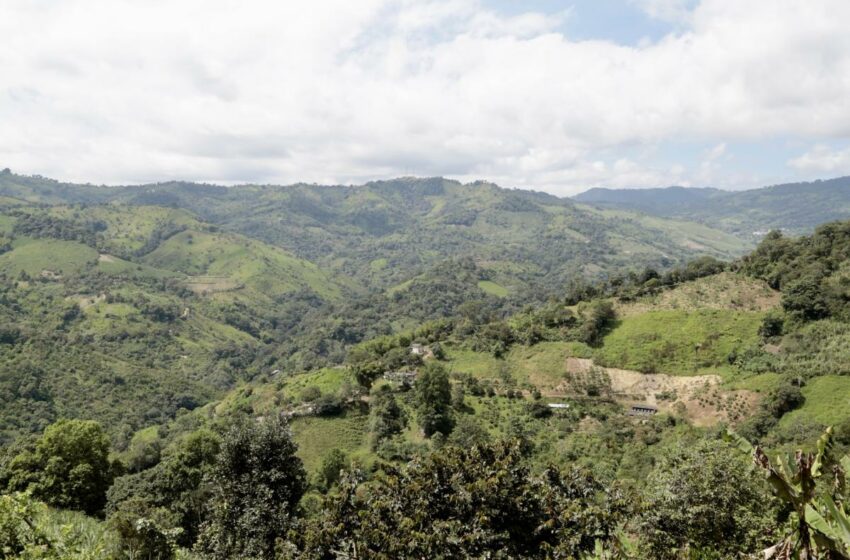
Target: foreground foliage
[{"x": 468, "y": 503}]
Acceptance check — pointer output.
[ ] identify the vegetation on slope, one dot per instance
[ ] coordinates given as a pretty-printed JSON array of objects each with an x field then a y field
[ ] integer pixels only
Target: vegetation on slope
[
  {"x": 386, "y": 232},
  {"x": 183, "y": 340},
  {"x": 795, "y": 208}
]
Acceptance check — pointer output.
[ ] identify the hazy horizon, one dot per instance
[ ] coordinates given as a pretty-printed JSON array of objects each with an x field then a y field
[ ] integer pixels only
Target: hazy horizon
[{"x": 409, "y": 177}]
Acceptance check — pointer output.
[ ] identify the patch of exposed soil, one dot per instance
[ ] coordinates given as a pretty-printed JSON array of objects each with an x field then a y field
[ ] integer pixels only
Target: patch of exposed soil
[{"x": 698, "y": 397}]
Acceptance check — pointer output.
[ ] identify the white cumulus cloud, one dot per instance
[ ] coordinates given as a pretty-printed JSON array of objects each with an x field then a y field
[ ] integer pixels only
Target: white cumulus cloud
[
  {"x": 336, "y": 91},
  {"x": 822, "y": 158}
]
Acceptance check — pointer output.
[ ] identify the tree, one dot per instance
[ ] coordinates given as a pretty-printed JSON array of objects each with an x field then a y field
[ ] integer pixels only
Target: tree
[
  {"x": 596, "y": 321},
  {"x": 142, "y": 530},
  {"x": 257, "y": 481},
  {"x": 366, "y": 372},
  {"x": 386, "y": 417},
  {"x": 476, "y": 502},
  {"x": 469, "y": 432},
  {"x": 458, "y": 397},
  {"x": 704, "y": 498},
  {"x": 19, "y": 530},
  {"x": 333, "y": 463},
  {"x": 772, "y": 325},
  {"x": 173, "y": 493},
  {"x": 804, "y": 298},
  {"x": 777, "y": 403},
  {"x": 433, "y": 399},
  {"x": 783, "y": 399},
  {"x": 68, "y": 468}
]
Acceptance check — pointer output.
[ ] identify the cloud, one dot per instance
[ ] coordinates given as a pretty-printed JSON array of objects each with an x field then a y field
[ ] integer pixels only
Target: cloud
[
  {"x": 121, "y": 91},
  {"x": 823, "y": 159},
  {"x": 674, "y": 11}
]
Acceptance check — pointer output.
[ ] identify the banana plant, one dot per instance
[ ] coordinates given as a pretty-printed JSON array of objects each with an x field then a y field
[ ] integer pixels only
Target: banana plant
[
  {"x": 829, "y": 518},
  {"x": 821, "y": 526},
  {"x": 620, "y": 548}
]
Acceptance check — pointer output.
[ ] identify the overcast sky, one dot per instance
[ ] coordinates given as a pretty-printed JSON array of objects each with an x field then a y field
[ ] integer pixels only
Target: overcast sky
[{"x": 552, "y": 95}]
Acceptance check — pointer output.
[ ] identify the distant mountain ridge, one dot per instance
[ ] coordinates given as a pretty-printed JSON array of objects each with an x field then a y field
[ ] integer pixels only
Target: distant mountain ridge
[
  {"x": 793, "y": 207},
  {"x": 652, "y": 200},
  {"x": 384, "y": 233}
]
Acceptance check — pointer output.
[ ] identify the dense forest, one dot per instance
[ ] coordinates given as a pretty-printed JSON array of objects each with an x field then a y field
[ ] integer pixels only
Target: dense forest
[{"x": 201, "y": 382}]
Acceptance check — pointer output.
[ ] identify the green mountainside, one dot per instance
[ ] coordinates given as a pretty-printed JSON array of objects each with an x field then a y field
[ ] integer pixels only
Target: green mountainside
[
  {"x": 795, "y": 208},
  {"x": 128, "y": 314},
  {"x": 301, "y": 372},
  {"x": 384, "y": 233}
]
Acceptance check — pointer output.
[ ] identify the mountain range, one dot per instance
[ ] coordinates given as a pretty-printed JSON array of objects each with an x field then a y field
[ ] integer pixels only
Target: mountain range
[{"x": 793, "y": 207}]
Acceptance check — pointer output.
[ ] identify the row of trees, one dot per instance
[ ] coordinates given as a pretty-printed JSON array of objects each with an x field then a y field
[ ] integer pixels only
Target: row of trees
[{"x": 239, "y": 495}]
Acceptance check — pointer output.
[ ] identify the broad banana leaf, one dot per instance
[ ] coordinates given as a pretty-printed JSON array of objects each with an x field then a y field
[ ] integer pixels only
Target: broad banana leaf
[{"x": 840, "y": 519}]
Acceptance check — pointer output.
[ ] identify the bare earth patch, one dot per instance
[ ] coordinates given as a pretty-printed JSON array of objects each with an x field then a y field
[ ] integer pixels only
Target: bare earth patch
[{"x": 698, "y": 397}]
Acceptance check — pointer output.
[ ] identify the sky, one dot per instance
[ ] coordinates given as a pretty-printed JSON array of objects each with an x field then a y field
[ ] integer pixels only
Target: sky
[{"x": 550, "y": 95}]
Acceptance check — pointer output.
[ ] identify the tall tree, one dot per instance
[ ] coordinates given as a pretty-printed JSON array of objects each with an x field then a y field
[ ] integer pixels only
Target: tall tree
[
  {"x": 257, "y": 482},
  {"x": 433, "y": 399},
  {"x": 478, "y": 502},
  {"x": 386, "y": 417},
  {"x": 705, "y": 499},
  {"x": 69, "y": 467}
]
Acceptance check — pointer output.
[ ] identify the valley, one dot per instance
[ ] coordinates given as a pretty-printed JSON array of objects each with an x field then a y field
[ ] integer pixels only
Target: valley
[{"x": 446, "y": 317}]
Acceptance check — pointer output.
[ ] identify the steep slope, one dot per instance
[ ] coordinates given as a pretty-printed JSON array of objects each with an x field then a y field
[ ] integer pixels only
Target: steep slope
[
  {"x": 687, "y": 332},
  {"x": 128, "y": 314}
]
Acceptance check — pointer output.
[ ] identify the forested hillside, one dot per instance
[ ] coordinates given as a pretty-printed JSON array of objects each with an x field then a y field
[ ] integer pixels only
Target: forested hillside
[
  {"x": 149, "y": 307},
  {"x": 795, "y": 208},
  {"x": 275, "y": 372},
  {"x": 384, "y": 233}
]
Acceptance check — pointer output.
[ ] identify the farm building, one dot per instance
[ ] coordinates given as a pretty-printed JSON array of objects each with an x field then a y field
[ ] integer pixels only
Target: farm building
[{"x": 642, "y": 410}]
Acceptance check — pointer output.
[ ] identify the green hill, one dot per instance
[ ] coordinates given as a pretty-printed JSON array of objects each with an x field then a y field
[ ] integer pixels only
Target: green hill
[
  {"x": 384, "y": 233},
  {"x": 172, "y": 322},
  {"x": 177, "y": 334},
  {"x": 795, "y": 208}
]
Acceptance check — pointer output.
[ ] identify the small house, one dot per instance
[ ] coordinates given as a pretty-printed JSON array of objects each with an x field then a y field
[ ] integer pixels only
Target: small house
[{"x": 642, "y": 410}]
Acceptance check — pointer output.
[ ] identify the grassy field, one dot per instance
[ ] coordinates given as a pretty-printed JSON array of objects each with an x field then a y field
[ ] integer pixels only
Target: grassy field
[
  {"x": 726, "y": 290},
  {"x": 327, "y": 380},
  {"x": 679, "y": 342},
  {"x": 266, "y": 270},
  {"x": 316, "y": 437},
  {"x": 827, "y": 402},
  {"x": 477, "y": 364},
  {"x": 493, "y": 288},
  {"x": 761, "y": 383},
  {"x": 542, "y": 365},
  {"x": 57, "y": 257},
  {"x": 115, "y": 266},
  {"x": 689, "y": 235}
]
